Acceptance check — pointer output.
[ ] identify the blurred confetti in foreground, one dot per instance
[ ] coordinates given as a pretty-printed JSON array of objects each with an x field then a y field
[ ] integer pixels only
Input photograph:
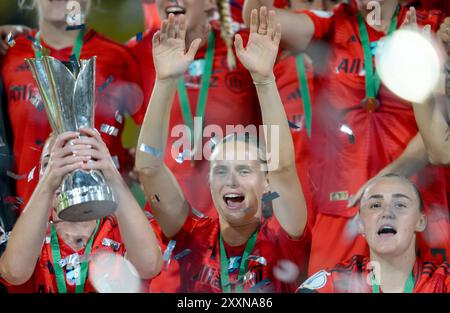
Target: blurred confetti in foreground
[
  {"x": 111, "y": 273},
  {"x": 286, "y": 271},
  {"x": 409, "y": 63}
]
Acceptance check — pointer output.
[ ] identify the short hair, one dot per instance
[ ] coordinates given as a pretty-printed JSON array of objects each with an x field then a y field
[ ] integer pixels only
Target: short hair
[{"x": 409, "y": 182}]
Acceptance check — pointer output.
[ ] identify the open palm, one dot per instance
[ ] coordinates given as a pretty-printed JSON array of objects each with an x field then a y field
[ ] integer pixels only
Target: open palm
[
  {"x": 261, "y": 51},
  {"x": 169, "y": 49}
]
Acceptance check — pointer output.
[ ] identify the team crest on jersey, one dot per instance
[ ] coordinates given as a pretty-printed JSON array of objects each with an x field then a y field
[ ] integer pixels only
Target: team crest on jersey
[
  {"x": 339, "y": 195},
  {"x": 317, "y": 281}
]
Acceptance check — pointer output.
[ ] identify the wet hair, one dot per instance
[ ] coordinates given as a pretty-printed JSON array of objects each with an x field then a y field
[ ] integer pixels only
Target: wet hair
[
  {"x": 227, "y": 33},
  {"x": 403, "y": 178},
  {"x": 248, "y": 139}
]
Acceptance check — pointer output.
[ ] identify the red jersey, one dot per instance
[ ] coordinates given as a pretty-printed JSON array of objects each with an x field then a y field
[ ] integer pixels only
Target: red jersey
[
  {"x": 353, "y": 276},
  {"x": 286, "y": 73},
  {"x": 43, "y": 279},
  {"x": 118, "y": 92},
  {"x": 151, "y": 16},
  {"x": 231, "y": 101},
  {"x": 237, "y": 6},
  {"x": 378, "y": 137},
  {"x": 200, "y": 269}
]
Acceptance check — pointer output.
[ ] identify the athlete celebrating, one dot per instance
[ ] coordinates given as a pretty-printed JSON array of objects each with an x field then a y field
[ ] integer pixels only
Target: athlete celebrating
[
  {"x": 36, "y": 263},
  {"x": 391, "y": 213},
  {"x": 117, "y": 85},
  {"x": 240, "y": 250},
  {"x": 361, "y": 128}
]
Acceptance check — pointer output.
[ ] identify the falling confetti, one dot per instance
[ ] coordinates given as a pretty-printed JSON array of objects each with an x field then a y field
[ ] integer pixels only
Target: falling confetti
[
  {"x": 106, "y": 83},
  {"x": 150, "y": 150},
  {"x": 286, "y": 271},
  {"x": 110, "y": 130},
  {"x": 270, "y": 196},
  {"x": 31, "y": 175},
  {"x": 182, "y": 254},
  {"x": 168, "y": 253},
  {"x": 10, "y": 40},
  {"x": 139, "y": 36}
]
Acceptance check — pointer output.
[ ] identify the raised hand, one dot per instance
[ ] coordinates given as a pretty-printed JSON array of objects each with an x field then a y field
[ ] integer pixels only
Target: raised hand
[
  {"x": 63, "y": 160},
  {"x": 14, "y": 30},
  {"x": 97, "y": 154},
  {"x": 261, "y": 51},
  {"x": 169, "y": 49}
]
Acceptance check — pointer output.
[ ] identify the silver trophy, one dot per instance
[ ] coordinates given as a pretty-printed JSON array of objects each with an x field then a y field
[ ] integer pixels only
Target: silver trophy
[{"x": 68, "y": 91}]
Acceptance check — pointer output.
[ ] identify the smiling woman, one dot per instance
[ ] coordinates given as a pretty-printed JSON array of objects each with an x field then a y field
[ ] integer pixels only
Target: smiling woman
[
  {"x": 241, "y": 238},
  {"x": 391, "y": 214}
]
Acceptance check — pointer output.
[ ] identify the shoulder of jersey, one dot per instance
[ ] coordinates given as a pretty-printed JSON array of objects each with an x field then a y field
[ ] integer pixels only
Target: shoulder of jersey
[{"x": 111, "y": 45}]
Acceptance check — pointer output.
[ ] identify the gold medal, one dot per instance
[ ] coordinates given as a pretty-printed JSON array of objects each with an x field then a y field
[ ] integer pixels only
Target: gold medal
[{"x": 370, "y": 104}]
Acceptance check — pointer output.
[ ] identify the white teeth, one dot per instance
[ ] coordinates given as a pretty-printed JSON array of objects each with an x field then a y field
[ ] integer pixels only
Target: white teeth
[
  {"x": 174, "y": 10},
  {"x": 232, "y": 195}
]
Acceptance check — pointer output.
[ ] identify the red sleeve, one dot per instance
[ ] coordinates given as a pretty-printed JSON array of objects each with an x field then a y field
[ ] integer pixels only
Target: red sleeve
[
  {"x": 323, "y": 24},
  {"x": 135, "y": 104},
  {"x": 142, "y": 52}
]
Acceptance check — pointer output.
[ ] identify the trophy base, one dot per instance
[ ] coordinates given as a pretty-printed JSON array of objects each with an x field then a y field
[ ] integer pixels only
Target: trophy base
[{"x": 86, "y": 203}]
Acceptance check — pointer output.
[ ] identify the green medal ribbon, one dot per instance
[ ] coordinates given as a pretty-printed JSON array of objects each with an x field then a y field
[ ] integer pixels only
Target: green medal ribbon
[
  {"x": 76, "y": 50},
  {"x": 225, "y": 263},
  {"x": 201, "y": 102},
  {"x": 409, "y": 286},
  {"x": 304, "y": 92},
  {"x": 59, "y": 272},
  {"x": 373, "y": 81}
]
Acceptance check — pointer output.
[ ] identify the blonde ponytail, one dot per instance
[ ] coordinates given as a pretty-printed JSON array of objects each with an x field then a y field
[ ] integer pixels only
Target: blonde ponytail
[{"x": 227, "y": 31}]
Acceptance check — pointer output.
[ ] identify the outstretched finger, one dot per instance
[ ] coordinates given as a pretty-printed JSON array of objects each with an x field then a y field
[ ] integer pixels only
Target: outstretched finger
[
  {"x": 193, "y": 49},
  {"x": 163, "y": 31},
  {"x": 254, "y": 21},
  {"x": 182, "y": 27},
  {"x": 171, "y": 26},
  {"x": 262, "y": 21},
  {"x": 239, "y": 44},
  {"x": 271, "y": 26},
  {"x": 155, "y": 39},
  {"x": 277, "y": 36}
]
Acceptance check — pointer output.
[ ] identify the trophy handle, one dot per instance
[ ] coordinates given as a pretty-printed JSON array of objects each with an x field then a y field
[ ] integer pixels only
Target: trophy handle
[{"x": 84, "y": 95}]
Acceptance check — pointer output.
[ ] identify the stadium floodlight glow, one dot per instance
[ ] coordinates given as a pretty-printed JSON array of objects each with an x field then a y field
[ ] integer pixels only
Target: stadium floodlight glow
[{"x": 409, "y": 64}]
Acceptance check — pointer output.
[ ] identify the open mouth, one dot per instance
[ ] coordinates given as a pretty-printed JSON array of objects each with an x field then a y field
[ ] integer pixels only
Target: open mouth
[
  {"x": 234, "y": 200},
  {"x": 387, "y": 230},
  {"x": 174, "y": 9}
]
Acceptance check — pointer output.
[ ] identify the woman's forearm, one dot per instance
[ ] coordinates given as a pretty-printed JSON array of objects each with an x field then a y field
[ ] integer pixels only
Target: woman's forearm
[
  {"x": 25, "y": 243},
  {"x": 155, "y": 129},
  {"x": 137, "y": 233}
]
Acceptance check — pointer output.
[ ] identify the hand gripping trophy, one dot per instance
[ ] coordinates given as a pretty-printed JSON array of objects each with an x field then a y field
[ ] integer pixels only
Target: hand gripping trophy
[{"x": 68, "y": 93}]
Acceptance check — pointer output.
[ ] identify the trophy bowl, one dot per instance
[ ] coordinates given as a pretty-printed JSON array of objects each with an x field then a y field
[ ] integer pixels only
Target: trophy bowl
[{"x": 68, "y": 94}]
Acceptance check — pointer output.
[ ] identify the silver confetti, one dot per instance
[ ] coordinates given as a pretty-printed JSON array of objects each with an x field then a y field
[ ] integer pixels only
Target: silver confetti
[
  {"x": 260, "y": 259},
  {"x": 151, "y": 150},
  {"x": 10, "y": 40},
  {"x": 106, "y": 242},
  {"x": 198, "y": 213},
  {"x": 4, "y": 237},
  {"x": 110, "y": 130},
  {"x": 168, "y": 253},
  {"x": 119, "y": 117},
  {"x": 182, "y": 254},
  {"x": 2, "y": 143},
  {"x": 182, "y": 156},
  {"x": 31, "y": 175},
  {"x": 115, "y": 160}
]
